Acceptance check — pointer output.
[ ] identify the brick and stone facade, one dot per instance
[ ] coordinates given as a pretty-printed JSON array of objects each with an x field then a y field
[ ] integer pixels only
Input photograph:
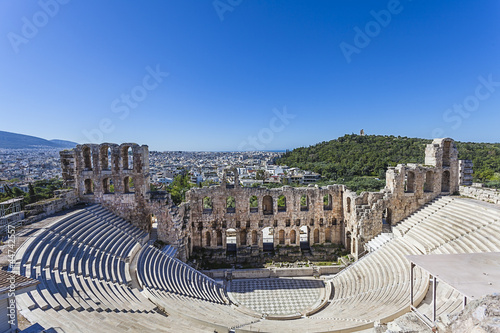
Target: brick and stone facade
[{"x": 117, "y": 176}]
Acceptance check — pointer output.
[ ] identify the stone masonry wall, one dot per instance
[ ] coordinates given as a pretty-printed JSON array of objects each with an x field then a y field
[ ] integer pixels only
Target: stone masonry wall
[
  {"x": 210, "y": 225},
  {"x": 480, "y": 193},
  {"x": 63, "y": 199},
  {"x": 117, "y": 176},
  {"x": 408, "y": 187}
]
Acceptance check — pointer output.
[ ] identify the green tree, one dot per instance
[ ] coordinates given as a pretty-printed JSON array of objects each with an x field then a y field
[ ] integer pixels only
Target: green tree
[
  {"x": 31, "y": 193},
  {"x": 179, "y": 187},
  {"x": 260, "y": 175}
]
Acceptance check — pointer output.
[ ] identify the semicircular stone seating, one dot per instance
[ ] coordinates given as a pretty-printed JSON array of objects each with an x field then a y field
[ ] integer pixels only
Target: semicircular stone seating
[
  {"x": 377, "y": 287},
  {"x": 82, "y": 262}
]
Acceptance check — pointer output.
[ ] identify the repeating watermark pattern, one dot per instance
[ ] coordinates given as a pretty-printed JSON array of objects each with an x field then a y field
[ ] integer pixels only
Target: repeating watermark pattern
[
  {"x": 31, "y": 27},
  {"x": 126, "y": 102},
  {"x": 460, "y": 111},
  {"x": 11, "y": 246},
  {"x": 372, "y": 29},
  {"x": 266, "y": 135},
  {"x": 223, "y": 6}
]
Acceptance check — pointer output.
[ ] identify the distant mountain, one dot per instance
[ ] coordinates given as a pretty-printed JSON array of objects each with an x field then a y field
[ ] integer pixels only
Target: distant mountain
[
  {"x": 64, "y": 143},
  {"x": 20, "y": 141}
]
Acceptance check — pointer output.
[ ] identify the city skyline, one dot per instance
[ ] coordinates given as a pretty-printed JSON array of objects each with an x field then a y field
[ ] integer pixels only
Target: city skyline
[{"x": 237, "y": 75}]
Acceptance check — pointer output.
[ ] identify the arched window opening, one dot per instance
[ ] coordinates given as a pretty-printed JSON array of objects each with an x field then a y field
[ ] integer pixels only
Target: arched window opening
[
  {"x": 219, "y": 238},
  {"x": 105, "y": 156},
  {"x": 327, "y": 202},
  {"x": 106, "y": 186},
  {"x": 208, "y": 239},
  {"x": 282, "y": 203},
  {"x": 429, "y": 182},
  {"x": 255, "y": 240},
  {"x": 230, "y": 204},
  {"x": 410, "y": 182},
  {"x": 316, "y": 236},
  {"x": 87, "y": 158},
  {"x": 293, "y": 237},
  {"x": 304, "y": 203},
  {"x": 127, "y": 158},
  {"x": 328, "y": 235},
  {"x": 281, "y": 236},
  {"x": 348, "y": 204},
  {"x": 254, "y": 204},
  {"x": 89, "y": 186},
  {"x": 267, "y": 205},
  {"x": 243, "y": 237},
  {"x": 128, "y": 185},
  {"x": 207, "y": 205}
]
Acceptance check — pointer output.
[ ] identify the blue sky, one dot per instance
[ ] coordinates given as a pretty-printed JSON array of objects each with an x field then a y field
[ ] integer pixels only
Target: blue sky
[{"x": 246, "y": 75}]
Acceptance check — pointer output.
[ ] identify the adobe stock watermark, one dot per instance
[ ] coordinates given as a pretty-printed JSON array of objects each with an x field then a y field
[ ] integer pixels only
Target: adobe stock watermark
[
  {"x": 460, "y": 111},
  {"x": 31, "y": 26},
  {"x": 223, "y": 6},
  {"x": 372, "y": 29},
  {"x": 126, "y": 102},
  {"x": 11, "y": 245},
  {"x": 266, "y": 135}
]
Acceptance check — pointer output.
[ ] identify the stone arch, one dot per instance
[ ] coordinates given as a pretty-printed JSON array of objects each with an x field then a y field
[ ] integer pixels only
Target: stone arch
[
  {"x": 445, "y": 181},
  {"x": 208, "y": 238},
  {"x": 348, "y": 204},
  {"x": 219, "y": 237},
  {"x": 293, "y": 237},
  {"x": 87, "y": 158},
  {"x": 267, "y": 205},
  {"x": 304, "y": 203},
  {"x": 282, "y": 203},
  {"x": 255, "y": 239},
  {"x": 254, "y": 204},
  {"x": 327, "y": 202},
  {"x": 106, "y": 186},
  {"x": 243, "y": 237},
  {"x": 127, "y": 158},
  {"x": 105, "y": 156},
  {"x": 89, "y": 186},
  {"x": 328, "y": 235},
  {"x": 281, "y": 237},
  {"x": 128, "y": 185},
  {"x": 230, "y": 204},
  {"x": 316, "y": 236},
  {"x": 429, "y": 182},
  {"x": 410, "y": 182},
  {"x": 207, "y": 205}
]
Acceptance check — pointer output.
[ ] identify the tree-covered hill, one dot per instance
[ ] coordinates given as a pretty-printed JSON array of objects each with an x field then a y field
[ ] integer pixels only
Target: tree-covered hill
[{"x": 354, "y": 155}]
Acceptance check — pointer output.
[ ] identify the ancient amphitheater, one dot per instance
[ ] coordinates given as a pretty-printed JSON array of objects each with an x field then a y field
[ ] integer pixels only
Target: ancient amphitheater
[{"x": 99, "y": 271}]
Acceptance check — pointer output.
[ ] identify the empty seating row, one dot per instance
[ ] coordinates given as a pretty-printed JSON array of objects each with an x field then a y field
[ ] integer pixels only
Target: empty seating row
[
  {"x": 378, "y": 285},
  {"x": 82, "y": 264},
  {"x": 157, "y": 270}
]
